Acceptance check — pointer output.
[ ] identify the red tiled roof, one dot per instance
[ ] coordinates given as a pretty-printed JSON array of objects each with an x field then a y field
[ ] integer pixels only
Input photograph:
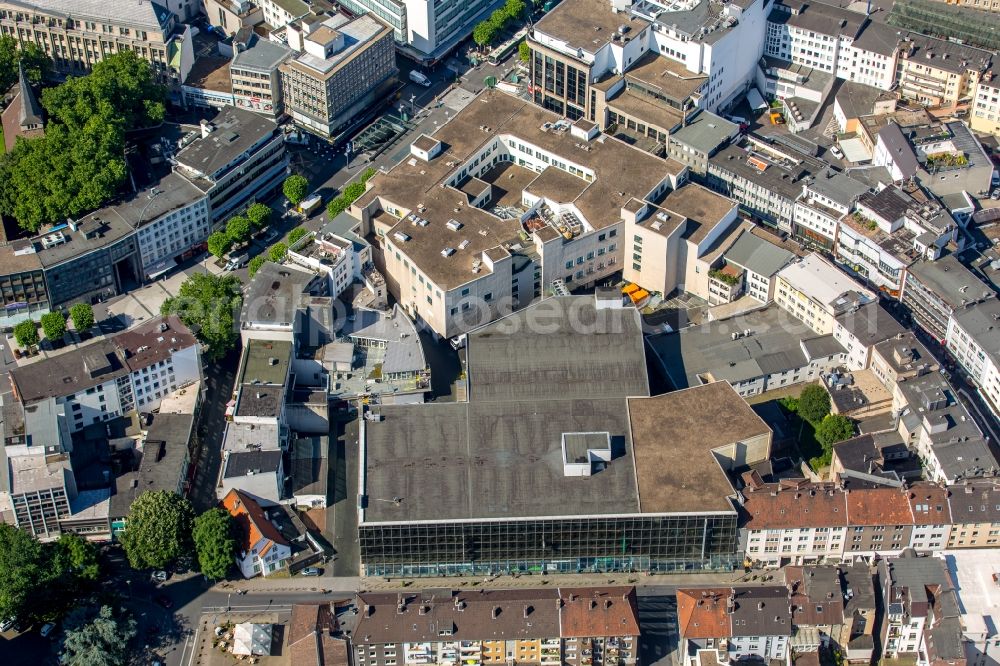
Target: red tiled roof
[
  {"x": 610, "y": 611},
  {"x": 929, "y": 504},
  {"x": 878, "y": 506},
  {"x": 807, "y": 505},
  {"x": 254, "y": 525},
  {"x": 701, "y": 612}
]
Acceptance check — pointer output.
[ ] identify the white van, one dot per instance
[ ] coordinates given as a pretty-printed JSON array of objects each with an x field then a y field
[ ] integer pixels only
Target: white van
[
  {"x": 237, "y": 262},
  {"x": 418, "y": 77}
]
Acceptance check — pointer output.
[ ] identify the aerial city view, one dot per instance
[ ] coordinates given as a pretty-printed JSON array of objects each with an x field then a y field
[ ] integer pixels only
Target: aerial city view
[{"x": 500, "y": 332}]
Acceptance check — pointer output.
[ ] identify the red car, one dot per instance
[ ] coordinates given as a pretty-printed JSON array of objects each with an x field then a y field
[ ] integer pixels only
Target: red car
[{"x": 164, "y": 601}]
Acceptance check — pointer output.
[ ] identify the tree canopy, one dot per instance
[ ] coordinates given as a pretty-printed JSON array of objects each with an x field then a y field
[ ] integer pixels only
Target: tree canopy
[
  {"x": 158, "y": 529},
  {"x": 82, "y": 315},
  {"x": 295, "y": 188},
  {"x": 350, "y": 194},
  {"x": 488, "y": 30},
  {"x": 21, "y": 570},
  {"x": 259, "y": 214},
  {"x": 37, "y": 65},
  {"x": 814, "y": 403},
  {"x": 54, "y": 325},
  {"x": 255, "y": 265},
  {"x": 295, "y": 234},
  {"x": 79, "y": 163},
  {"x": 99, "y": 639},
  {"x": 26, "y": 333},
  {"x": 206, "y": 303},
  {"x": 219, "y": 243},
  {"x": 214, "y": 542},
  {"x": 238, "y": 229},
  {"x": 277, "y": 252},
  {"x": 832, "y": 429}
]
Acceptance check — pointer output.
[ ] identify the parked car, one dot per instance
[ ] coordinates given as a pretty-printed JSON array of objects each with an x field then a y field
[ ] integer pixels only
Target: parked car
[
  {"x": 837, "y": 152},
  {"x": 47, "y": 629},
  {"x": 312, "y": 571},
  {"x": 7, "y": 625},
  {"x": 237, "y": 262},
  {"x": 160, "y": 576},
  {"x": 164, "y": 601},
  {"x": 418, "y": 77},
  {"x": 271, "y": 236}
]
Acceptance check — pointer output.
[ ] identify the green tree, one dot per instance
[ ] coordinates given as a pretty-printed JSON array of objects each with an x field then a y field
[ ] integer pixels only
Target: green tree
[
  {"x": 832, "y": 429},
  {"x": 206, "y": 303},
  {"x": 514, "y": 9},
  {"x": 158, "y": 529},
  {"x": 277, "y": 252},
  {"x": 54, "y": 325},
  {"x": 99, "y": 639},
  {"x": 295, "y": 234},
  {"x": 524, "y": 52},
  {"x": 295, "y": 188},
  {"x": 814, "y": 403},
  {"x": 215, "y": 542},
  {"x": 255, "y": 265},
  {"x": 219, "y": 243},
  {"x": 259, "y": 214},
  {"x": 22, "y": 570},
  {"x": 37, "y": 65},
  {"x": 238, "y": 230},
  {"x": 26, "y": 333},
  {"x": 82, "y": 315},
  {"x": 75, "y": 556},
  {"x": 485, "y": 32}
]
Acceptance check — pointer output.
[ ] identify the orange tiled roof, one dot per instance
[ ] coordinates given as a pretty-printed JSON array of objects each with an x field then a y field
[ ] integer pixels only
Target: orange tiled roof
[
  {"x": 808, "y": 505},
  {"x": 878, "y": 506},
  {"x": 610, "y": 611},
  {"x": 929, "y": 504},
  {"x": 254, "y": 525},
  {"x": 701, "y": 612}
]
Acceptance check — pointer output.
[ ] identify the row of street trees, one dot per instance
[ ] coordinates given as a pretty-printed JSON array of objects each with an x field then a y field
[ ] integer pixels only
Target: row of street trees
[
  {"x": 488, "y": 30},
  {"x": 239, "y": 229},
  {"x": 54, "y": 325}
]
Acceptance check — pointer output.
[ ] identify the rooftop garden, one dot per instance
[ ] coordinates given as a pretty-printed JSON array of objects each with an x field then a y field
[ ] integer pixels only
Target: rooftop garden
[
  {"x": 865, "y": 221},
  {"x": 724, "y": 277},
  {"x": 944, "y": 160}
]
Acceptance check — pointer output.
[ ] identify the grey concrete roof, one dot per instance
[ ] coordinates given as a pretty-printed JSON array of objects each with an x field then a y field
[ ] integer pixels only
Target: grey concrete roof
[
  {"x": 170, "y": 193},
  {"x": 838, "y": 186},
  {"x": 822, "y": 346},
  {"x": 950, "y": 280},
  {"x": 139, "y": 13},
  {"x": 559, "y": 366},
  {"x": 586, "y": 24},
  {"x": 259, "y": 462},
  {"x": 273, "y": 295},
  {"x": 899, "y": 149},
  {"x": 980, "y": 323},
  {"x": 403, "y": 351},
  {"x": 266, "y": 362},
  {"x": 975, "y": 501},
  {"x": 878, "y": 38},
  {"x": 70, "y": 372},
  {"x": 782, "y": 177},
  {"x": 705, "y": 132},
  {"x": 263, "y": 55},
  {"x": 871, "y": 323},
  {"x": 309, "y": 468},
  {"x": 236, "y": 131},
  {"x": 260, "y": 400},
  {"x": 94, "y": 231},
  {"x": 708, "y": 351},
  {"x": 162, "y": 462},
  {"x": 757, "y": 255}
]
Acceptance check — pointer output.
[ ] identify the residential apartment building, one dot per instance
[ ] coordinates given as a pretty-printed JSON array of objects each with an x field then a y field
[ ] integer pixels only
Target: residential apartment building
[
  {"x": 935, "y": 72},
  {"x": 981, "y": 5},
  {"x": 814, "y": 34},
  {"x": 974, "y": 340},
  {"x": 975, "y": 514},
  {"x": 262, "y": 548},
  {"x": 574, "y": 626},
  {"x": 859, "y": 330},
  {"x": 341, "y": 67},
  {"x": 279, "y": 13},
  {"x": 759, "y": 261},
  {"x": 922, "y": 615},
  {"x": 765, "y": 177},
  {"x": 76, "y": 34},
  {"x": 984, "y": 111},
  {"x": 734, "y": 623},
  {"x": 935, "y": 290},
  {"x": 239, "y": 157},
  {"x": 816, "y": 292},
  {"x": 824, "y": 202},
  {"x": 131, "y": 371},
  {"x": 453, "y": 248},
  {"x": 888, "y": 231},
  {"x": 255, "y": 77},
  {"x": 38, "y": 487}
]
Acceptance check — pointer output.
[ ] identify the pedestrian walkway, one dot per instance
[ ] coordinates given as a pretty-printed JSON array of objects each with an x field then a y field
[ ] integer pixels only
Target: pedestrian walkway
[{"x": 301, "y": 583}]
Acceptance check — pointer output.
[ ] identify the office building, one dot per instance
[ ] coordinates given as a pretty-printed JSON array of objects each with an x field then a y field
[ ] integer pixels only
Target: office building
[
  {"x": 38, "y": 484},
  {"x": 239, "y": 157},
  {"x": 758, "y": 260},
  {"x": 230, "y": 16},
  {"x": 574, "y": 626},
  {"x": 255, "y": 78},
  {"x": 454, "y": 250},
  {"x": 341, "y": 67},
  {"x": 602, "y": 496},
  {"x": 22, "y": 284},
  {"x": 699, "y": 139},
  {"x": 936, "y": 289},
  {"x": 974, "y": 340},
  {"x": 279, "y": 13},
  {"x": 816, "y": 292},
  {"x": 76, "y": 34}
]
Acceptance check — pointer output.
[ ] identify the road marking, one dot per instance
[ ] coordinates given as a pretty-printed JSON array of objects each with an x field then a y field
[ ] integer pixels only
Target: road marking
[
  {"x": 247, "y": 609},
  {"x": 194, "y": 647}
]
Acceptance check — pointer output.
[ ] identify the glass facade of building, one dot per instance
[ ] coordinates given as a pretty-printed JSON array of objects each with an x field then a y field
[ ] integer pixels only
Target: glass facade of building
[{"x": 565, "y": 545}]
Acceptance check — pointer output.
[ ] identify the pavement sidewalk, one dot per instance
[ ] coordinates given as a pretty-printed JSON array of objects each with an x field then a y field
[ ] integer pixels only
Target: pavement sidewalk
[{"x": 370, "y": 583}]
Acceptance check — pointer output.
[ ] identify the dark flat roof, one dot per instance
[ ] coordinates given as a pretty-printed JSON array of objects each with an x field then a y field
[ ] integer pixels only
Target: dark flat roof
[
  {"x": 236, "y": 131},
  {"x": 68, "y": 373}
]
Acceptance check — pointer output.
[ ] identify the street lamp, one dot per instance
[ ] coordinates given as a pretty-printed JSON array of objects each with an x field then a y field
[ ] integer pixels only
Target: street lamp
[
  {"x": 413, "y": 98},
  {"x": 347, "y": 153},
  {"x": 401, "y": 116}
]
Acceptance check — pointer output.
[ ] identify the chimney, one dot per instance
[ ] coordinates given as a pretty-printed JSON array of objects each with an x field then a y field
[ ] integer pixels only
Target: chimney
[
  {"x": 607, "y": 603},
  {"x": 760, "y": 605},
  {"x": 368, "y": 610},
  {"x": 528, "y": 610},
  {"x": 496, "y": 612},
  {"x": 593, "y": 604},
  {"x": 424, "y": 610}
]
